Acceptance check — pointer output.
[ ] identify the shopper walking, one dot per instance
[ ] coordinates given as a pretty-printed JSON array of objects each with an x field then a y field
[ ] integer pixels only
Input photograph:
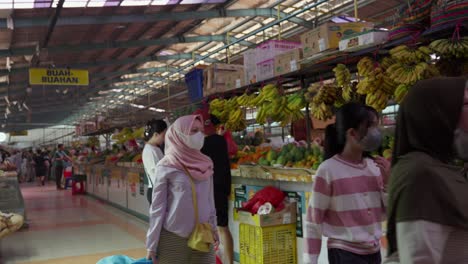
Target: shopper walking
[
  {"x": 41, "y": 167},
  {"x": 30, "y": 166},
  {"x": 428, "y": 197},
  {"x": 60, "y": 160},
  {"x": 347, "y": 204},
  {"x": 24, "y": 167},
  {"x": 17, "y": 159},
  {"x": 153, "y": 152},
  {"x": 172, "y": 214},
  {"x": 216, "y": 148},
  {"x": 47, "y": 163}
]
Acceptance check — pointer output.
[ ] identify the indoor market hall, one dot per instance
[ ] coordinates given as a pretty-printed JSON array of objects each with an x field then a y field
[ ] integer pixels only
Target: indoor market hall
[{"x": 233, "y": 131}]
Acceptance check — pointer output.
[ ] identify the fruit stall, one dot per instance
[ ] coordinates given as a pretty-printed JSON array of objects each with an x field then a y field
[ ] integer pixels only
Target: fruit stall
[{"x": 378, "y": 74}]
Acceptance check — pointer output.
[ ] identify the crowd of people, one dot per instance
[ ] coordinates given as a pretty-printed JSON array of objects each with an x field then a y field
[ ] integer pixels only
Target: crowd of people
[
  {"x": 39, "y": 165},
  {"x": 422, "y": 195},
  {"x": 30, "y": 165}
]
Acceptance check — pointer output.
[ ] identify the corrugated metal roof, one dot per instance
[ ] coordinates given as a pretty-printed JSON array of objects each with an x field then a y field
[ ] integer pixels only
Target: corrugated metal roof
[{"x": 119, "y": 41}]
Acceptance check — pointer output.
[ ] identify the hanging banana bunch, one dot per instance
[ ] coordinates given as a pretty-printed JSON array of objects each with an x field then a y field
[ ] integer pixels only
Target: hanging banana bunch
[
  {"x": 452, "y": 48},
  {"x": 343, "y": 79}
]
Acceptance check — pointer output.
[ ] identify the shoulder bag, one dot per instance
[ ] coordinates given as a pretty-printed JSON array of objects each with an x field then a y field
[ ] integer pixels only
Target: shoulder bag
[{"x": 202, "y": 236}]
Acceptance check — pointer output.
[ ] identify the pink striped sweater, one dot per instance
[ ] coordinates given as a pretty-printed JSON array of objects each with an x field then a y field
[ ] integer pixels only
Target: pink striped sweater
[{"x": 347, "y": 206}]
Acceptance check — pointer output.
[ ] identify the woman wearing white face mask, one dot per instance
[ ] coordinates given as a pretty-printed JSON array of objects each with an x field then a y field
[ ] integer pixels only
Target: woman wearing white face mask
[
  {"x": 347, "y": 204},
  {"x": 428, "y": 202},
  {"x": 172, "y": 212}
]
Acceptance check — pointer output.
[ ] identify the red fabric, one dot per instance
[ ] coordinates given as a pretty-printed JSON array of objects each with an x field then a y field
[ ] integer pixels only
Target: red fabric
[
  {"x": 232, "y": 146},
  {"x": 268, "y": 194}
]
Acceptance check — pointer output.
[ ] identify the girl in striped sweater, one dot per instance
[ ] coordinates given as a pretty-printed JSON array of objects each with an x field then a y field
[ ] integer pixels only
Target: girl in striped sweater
[{"x": 348, "y": 200}]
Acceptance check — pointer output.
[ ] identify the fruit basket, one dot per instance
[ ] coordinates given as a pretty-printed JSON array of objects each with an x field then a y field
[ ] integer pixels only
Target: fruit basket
[
  {"x": 268, "y": 245},
  {"x": 444, "y": 13},
  {"x": 402, "y": 30}
]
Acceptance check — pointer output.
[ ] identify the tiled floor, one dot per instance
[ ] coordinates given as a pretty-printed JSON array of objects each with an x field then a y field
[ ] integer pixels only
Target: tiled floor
[{"x": 66, "y": 229}]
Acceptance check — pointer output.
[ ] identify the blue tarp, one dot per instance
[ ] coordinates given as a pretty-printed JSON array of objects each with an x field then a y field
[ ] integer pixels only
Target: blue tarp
[{"x": 119, "y": 259}]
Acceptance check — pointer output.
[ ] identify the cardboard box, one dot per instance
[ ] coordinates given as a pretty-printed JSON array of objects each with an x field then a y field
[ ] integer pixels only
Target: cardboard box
[
  {"x": 371, "y": 37},
  {"x": 284, "y": 217},
  {"x": 250, "y": 66},
  {"x": 216, "y": 75},
  {"x": 235, "y": 80},
  {"x": 269, "y": 49},
  {"x": 265, "y": 70},
  {"x": 288, "y": 62},
  {"x": 328, "y": 35}
]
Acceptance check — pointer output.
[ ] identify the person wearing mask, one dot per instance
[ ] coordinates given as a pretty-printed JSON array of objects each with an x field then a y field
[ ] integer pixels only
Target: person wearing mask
[
  {"x": 348, "y": 200},
  {"x": 41, "y": 168},
  {"x": 153, "y": 151},
  {"x": 172, "y": 212},
  {"x": 216, "y": 148},
  {"x": 428, "y": 197},
  {"x": 60, "y": 161}
]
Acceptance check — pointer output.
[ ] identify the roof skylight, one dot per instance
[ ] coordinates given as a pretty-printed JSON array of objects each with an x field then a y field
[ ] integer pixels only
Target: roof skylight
[{"x": 31, "y": 4}]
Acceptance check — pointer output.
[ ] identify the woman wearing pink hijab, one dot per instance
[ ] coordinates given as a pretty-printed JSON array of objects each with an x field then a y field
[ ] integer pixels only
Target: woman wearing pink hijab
[{"x": 172, "y": 215}]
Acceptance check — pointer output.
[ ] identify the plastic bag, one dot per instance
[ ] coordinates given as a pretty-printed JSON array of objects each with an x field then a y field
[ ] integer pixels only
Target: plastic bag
[
  {"x": 268, "y": 194},
  {"x": 121, "y": 259}
]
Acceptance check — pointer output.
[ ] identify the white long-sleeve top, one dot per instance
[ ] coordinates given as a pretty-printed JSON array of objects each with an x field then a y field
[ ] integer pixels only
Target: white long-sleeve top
[
  {"x": 172, "y": 206},
  {"x": 424, "y": 242},
  {"x": 151, "y": 156}
]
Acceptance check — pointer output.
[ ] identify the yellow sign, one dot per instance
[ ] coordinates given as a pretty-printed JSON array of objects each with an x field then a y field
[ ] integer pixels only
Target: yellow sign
[
  {"x": 133, "y": 177},
  {"x": 18, "y": 133},
  {"x": 53, "y": 76},
  {"x": 116, "y": 174}
]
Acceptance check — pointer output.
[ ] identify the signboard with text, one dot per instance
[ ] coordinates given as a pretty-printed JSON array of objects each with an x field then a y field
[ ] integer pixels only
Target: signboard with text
[{"x": 55, "y": 76}]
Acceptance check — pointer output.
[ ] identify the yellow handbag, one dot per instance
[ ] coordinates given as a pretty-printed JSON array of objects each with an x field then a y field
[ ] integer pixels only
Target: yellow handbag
[{"x": 202, "y": 236}]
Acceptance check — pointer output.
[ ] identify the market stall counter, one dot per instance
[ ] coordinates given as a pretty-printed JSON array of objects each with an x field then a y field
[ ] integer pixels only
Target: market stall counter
[
  {"x": 126, "y": 187},
  {"x": 122, "y": 187},
  {"x": 296, "y": 183}
]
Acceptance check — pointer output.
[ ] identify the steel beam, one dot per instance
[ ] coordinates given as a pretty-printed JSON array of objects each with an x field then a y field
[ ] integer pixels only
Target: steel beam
[
  {"x": 119, "y": 44},
  {"x": 137, "y": 60},
  {"x": 12, "y": 88},
  {"x": 151, "y": 18}
]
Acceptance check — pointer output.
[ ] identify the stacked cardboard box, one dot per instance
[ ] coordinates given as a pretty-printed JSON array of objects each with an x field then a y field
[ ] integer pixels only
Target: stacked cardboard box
[
  {"x": 288, "y": 62},
  {"x": 217, "y": 75},
  {"x": 266, "y": 53},
  {"x": 328, "y": 36},
  {"x": 371, "y": 37},
  {"x": 235, "y": 80},
  {"x": 250, "y": 66}
]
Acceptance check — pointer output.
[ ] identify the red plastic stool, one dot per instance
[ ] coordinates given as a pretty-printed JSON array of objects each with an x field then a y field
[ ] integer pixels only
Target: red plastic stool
[{"x": 81, "y": 180}]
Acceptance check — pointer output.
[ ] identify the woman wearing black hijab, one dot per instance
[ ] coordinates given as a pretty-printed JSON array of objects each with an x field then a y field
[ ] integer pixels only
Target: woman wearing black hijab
[{"x": 428, "y": 202}]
